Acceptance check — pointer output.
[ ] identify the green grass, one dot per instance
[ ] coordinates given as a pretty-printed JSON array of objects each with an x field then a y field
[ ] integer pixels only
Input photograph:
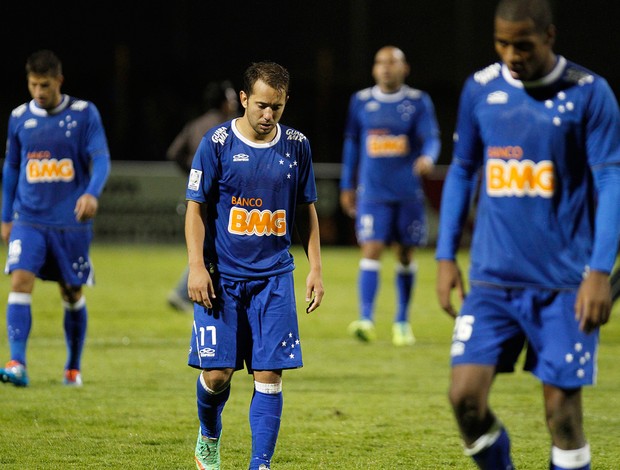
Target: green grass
[{"x": 352, "y": 405}]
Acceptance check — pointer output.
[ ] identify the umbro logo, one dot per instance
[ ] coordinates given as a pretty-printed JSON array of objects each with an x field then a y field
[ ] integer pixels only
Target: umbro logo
[
  {"x": 497, "y": 97},
  {"x": 241, "y": 157},
  {"x": 30, "y": 123}
]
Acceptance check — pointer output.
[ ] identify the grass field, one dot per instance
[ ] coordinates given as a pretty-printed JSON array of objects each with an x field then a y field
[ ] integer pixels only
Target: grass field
[{"x": 352, "y": 406}]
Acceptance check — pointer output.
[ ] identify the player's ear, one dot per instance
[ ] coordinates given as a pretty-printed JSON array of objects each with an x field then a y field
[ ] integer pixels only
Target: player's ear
[{"x": 243, "y": 99}]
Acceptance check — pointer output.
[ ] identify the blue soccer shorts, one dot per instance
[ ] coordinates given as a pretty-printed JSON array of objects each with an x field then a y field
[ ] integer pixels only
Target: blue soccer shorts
[
  {"x": 252, "y": 322},
  {"x": 495, "y": 324},
  {"x": 402, "y": 221},
  {"x": 51, "y": 253}
]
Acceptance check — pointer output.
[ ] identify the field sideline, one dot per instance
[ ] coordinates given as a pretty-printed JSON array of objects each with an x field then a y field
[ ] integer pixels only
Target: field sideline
[{"x": 351, "y": 406}]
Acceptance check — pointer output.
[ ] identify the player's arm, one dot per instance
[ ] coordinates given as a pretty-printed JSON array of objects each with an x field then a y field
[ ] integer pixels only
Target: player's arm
[
  {"x": 307, "y": 225},
  {"x": 350, "y": 163},
  {"x": 87, "y": 204},
  {"x": 456, "y": 199},
  {"x": 199, "y": 284},
  {"x": 456, "y": 193},
  {"x": 10, "y": 178},
  {"x": 428, "y": 133},
  {"x": 593, "y": 304}
]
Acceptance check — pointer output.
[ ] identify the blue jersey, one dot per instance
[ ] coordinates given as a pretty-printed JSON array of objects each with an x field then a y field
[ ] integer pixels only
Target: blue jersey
[
  {"x": 251, "y": 191},
  {"x": 384, "y": 135},
  {"x": 50, "y": 154},
  {"x": 538, "y": 147}
]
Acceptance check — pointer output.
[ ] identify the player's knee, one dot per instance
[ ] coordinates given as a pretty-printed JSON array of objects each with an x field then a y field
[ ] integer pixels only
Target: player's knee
[
  {"x": 468, "y": 407},
  {"x": 217, "y": 379},
  {"x": 70, "y": 294}
]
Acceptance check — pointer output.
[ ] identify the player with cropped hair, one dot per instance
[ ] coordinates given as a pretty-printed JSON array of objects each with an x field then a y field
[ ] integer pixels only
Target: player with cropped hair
[
  {"x": 544, "y": 134},
  {"x": 391, "y": 141},
  {"x": 251, "y": 184},
  {"x": 57, "y": 163}
]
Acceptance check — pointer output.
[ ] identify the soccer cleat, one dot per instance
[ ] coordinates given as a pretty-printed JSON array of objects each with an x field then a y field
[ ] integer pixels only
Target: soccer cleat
[
  {"x": 179, "y": 303},
  {"x": 402, "y": 334},
  {"x": 207, "y": 455},
  {"x": 72, "y": 378},
  {"x": 15, "y": 373},
  {"x": 364, "y": 330}
]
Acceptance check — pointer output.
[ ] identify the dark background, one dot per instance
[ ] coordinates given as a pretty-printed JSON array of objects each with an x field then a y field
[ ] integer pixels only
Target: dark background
[{"x": 145, "y": 66}]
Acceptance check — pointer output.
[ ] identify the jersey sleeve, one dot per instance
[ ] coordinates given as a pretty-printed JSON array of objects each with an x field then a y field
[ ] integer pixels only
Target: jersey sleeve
[
  {"x": 97, "y": 149},
  {"x": 350, "y": 148},
  {"x": 603, "y": 125},
  {"x": 307, "y": 191},
  {"x": 428, "y": 130},
  {"x": 203, "y": 172},
  {"x": 461, "y": 178},
  {"x": 10, "y": 173}
]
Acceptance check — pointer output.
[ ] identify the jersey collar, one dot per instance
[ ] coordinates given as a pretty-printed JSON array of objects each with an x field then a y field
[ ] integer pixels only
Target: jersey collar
[
  {"x": 551, "y": 77},
  {"x": 271, "y": 143},
  {"x": 34, "y": 109},
  {"x": 388, "y": 97}
]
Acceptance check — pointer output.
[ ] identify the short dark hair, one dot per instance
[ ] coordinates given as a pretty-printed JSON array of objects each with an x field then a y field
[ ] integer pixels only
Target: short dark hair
[
  {"x": 274, "y": 75},
  {"x": 44, "y": 62},
  {"x": 214, "y": 94},
  {"x": 539, "y": 11}
]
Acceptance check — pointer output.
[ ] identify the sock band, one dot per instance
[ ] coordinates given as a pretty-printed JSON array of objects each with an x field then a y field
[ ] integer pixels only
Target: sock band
[
  {"x": 486, "y": 440},
  {"x": 411, "y": 268},
  {"x": 577, "y": 458},
  {"x": 370, "y": 264},
  {"x": 269, "y": 389},
  {"x": 76, "y": 306},
  {"x": 20, "y": 298}
]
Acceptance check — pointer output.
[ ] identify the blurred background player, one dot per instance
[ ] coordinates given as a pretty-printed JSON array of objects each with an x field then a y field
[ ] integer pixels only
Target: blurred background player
[
  {"x": 251, "y": 184},
  {"x": 545, "y": 133},
  {"x": 57, "y": 163},
  {"x": 221, "y": 103},
  {"x": 391, "y": 140}
]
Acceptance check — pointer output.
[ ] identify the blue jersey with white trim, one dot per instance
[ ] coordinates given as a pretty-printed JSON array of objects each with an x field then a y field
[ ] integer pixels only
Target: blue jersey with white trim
[
  {"x": 53, "y": 150},
  {"x": 537, "y": 145},
  {"x": 384, "y": 135},
  {"x": 251, "y": 191}
]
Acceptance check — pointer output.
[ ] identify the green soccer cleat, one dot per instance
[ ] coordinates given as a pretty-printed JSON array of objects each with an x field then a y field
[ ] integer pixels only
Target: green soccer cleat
[
  {"x": 207, "y": 455},
  {"x": 364, "y": 330},
  {"x": 402, "y": 334},
  {"x": 14, "y": 373}
]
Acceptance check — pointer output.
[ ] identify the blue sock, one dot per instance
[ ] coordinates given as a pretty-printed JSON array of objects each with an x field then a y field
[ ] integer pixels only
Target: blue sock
[
  {"x": 405, "y": 280},
  {"x": 368, "y": 284},
  {"x": 210, "y": 407},
  {"x": 18, "y": 323},
  {"x": 265, "y": 414},
  {"x": 495, "y": 451},
  {"x": 75, "y": 321},
  {"x": 577, "y": 459}
]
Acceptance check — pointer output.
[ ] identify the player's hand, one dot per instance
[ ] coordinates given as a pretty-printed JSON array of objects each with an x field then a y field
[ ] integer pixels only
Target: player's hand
[
  {"x": 200, "y": 286},
  {"x": 6, "y": 231},
  {"x": 85, "y": 207},
  {"x": 449, "y": 278},
  {"x": 348, "y": 202},
  {"x": 423, "y": 165},
  {"x": 314, "y": 291},
  {"x": 593, "y": 303}
]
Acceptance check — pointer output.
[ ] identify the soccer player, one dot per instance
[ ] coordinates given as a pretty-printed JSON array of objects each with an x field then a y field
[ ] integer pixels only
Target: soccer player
[
  {"x": 250, "y": 184},
  {"x": 57, "y": 162},
  {"x": 615, "y": 285},
  {"x": 544, "y": 135},
  {"x": 222, "y": 104},
  {"x": 391, "y": 140}
]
